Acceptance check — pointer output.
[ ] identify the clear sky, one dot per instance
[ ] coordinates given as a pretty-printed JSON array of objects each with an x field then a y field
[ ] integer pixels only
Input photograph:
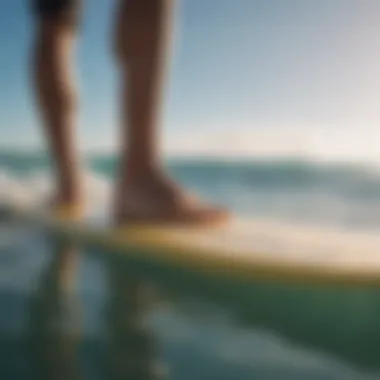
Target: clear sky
[{"x": 248, "y": 77}]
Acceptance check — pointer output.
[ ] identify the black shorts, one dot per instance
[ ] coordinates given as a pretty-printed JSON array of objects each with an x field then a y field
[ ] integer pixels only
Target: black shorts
[{"x": 69, "y": 9}]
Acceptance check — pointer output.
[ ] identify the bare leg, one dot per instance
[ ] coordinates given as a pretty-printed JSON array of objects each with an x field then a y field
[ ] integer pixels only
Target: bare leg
[
  {"x": 145, "y": 193},
  {"x": 54, "y": 84}
]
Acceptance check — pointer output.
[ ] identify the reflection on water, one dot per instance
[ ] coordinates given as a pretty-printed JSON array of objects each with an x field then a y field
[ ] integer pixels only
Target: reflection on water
[
  {"x": 54, "y": 328},
  {"x": 131, "y": 350},
  {"x": 52, "y": 332},
  {"x": 199, "y": 328}
]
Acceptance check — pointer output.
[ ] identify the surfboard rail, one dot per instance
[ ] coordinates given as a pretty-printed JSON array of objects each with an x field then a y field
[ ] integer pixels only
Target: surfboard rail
[{"x": 246, "y": 250}]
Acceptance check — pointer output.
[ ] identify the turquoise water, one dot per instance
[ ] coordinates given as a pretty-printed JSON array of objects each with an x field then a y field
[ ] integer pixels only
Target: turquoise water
[{"x": 122, "y": 317}]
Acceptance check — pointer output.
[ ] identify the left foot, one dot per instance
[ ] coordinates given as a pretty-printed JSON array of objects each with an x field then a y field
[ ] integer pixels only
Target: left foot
[{"x": 68, "y": 204}]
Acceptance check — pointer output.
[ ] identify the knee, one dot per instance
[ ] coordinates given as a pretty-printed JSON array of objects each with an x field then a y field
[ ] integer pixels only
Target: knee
[{"x": 52, "y": 37}]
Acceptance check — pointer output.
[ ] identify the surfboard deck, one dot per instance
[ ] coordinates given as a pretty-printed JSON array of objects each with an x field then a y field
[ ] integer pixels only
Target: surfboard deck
[{"x": 243, "y": 248}]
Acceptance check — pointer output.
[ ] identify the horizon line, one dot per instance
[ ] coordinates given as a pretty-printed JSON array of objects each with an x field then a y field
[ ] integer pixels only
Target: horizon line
[{"x": 261, "y": 157}]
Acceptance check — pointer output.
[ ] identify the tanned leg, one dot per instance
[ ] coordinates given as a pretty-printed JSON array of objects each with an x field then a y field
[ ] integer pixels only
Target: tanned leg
[
  {"x": 55, "y": 90},
  {"x": 144, "y": 192}
]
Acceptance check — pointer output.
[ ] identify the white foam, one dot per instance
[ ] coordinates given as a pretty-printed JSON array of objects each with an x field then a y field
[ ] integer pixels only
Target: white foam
[{"x": 37, "y": 188}]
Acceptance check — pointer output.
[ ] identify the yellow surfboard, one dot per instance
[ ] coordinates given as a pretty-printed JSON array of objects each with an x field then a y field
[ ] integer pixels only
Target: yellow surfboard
[{"x": 243, "y": 248}]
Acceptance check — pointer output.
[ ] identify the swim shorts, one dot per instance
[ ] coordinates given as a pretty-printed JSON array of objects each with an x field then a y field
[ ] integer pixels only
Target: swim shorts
[{"x": 57, "y": 8}]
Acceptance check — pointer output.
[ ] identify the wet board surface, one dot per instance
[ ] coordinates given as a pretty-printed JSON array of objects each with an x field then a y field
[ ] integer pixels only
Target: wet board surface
[{"x": 243, "y": 248}]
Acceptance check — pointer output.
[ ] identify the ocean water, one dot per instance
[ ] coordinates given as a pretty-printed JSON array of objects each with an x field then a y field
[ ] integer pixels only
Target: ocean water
[
  {"x": 336, "y": 195},
  {"x": 122, "y": 317}
]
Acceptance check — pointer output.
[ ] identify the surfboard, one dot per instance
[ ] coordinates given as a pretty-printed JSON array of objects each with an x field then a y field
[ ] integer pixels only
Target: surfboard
[{"x": 246, "y": 249}]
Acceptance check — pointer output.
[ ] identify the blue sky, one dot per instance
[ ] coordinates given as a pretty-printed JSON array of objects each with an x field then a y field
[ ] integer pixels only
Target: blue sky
[{"x": 260, "y": 77}]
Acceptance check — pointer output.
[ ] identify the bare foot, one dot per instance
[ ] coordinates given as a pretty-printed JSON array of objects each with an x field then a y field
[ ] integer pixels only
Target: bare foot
[
  {"x": 156, "y": 198},
  {"x": 67, "y": 205}
]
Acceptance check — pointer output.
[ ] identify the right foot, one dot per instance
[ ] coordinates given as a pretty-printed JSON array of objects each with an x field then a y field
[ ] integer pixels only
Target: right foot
[{"x": 156, "y": 198}]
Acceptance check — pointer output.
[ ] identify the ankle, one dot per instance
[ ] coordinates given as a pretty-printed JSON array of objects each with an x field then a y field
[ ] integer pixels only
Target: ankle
[
  {"x": 70, "y": 194},
  {"x": 140, "y": 169}
]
